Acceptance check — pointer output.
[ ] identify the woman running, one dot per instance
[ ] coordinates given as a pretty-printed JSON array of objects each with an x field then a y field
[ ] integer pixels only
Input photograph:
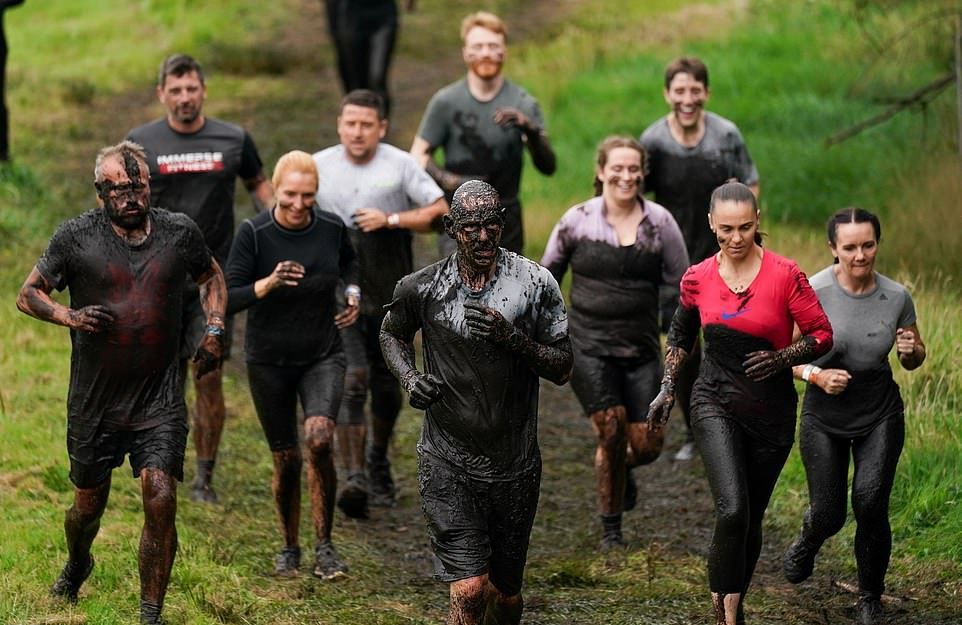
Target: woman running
[
  {"x": 620, "y": 248},
  {"x": 285, "y": 265},
  {"x": 853, "y": 407},
  {"x": 747, "y": 301}
]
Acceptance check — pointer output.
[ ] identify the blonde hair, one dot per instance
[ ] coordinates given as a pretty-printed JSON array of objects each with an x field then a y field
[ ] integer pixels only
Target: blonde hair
[
  {"x": 296, "y": 161},
  {"x": 485, "y": 20}
]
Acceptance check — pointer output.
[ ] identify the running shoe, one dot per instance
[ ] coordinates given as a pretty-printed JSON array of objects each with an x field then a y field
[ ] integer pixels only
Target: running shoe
[
  {"x": 799, "y": 561},
  {"x": 686, "y": 452},
  {"x": 353, "y": 498},
  {"x": 203, "y": 492},
  {"x": 71, "y": 579},
  {"x": 612, "y": 542},
  {"x": 327, "y": 564},
  {"x": 382, "y": 491},
  {"x": 287, "y": 562},
  {"x": 868, "y": 611}
]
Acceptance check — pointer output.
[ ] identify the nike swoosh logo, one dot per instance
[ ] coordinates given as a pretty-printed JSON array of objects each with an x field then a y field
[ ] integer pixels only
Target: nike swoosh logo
[{"x": 726, "y": 316}]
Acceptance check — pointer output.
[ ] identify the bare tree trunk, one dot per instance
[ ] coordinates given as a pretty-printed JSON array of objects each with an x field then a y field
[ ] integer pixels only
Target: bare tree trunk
[{"x": 958, "y": 78}]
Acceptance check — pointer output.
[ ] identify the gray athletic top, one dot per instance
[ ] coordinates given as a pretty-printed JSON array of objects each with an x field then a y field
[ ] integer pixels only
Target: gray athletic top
[
  {"x": 683, "y": 178},
  {"x": 864, "y": 327}
]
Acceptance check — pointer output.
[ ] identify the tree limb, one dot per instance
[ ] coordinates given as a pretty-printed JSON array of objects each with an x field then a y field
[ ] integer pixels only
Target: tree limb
[{"x": 917, "y": 97}]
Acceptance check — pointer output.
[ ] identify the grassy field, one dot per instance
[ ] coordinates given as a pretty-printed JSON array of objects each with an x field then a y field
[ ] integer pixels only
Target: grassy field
[{"x": 596, "y": 67}]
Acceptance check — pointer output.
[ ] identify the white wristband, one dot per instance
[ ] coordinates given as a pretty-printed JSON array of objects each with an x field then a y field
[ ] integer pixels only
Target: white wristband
[{"x": 393, "y": 220}]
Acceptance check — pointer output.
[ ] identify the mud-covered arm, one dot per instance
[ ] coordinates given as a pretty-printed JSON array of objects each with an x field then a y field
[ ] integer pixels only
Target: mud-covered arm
[
  {"x": 213, "y": 300},
  {"x": 34, "y": 299},
  {"x": 400, "y": 325},
  {"x": 542, "y": 154},
  {"x": 685, "y": 326},
  {"x": 532, "y": 130}
]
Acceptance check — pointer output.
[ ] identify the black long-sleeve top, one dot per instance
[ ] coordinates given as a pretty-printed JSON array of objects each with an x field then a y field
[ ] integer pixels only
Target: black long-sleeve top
[{"x": 291, "y": 325}]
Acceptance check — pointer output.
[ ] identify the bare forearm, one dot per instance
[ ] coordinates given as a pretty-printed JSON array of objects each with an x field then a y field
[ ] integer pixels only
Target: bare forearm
[
  {"x": 213, "y": 294},
  {"x": 34, "y": 299},
  {"x": 262, "y": 194},
  {"x": 421, "y": 219}
]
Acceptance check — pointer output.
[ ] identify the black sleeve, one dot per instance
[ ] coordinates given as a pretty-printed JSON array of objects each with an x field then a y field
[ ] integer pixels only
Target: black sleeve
[
  {"x": 403, "y": 319},
  {"x": 251, "y": 164},
  {"x": 684, "y": 328},
  {"x": 347, "y": 262},
  {"x": 240, "y": 270},
  {"x": 195, "y": 251},
  {"x": 53, "y": 263}
]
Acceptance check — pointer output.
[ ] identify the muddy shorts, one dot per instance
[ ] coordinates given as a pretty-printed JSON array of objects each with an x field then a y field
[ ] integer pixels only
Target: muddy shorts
[
  {"x": 601, "y": 382},
  {"x": 276, "y": 389},
  {"x": 477, "y": 526},
  {"x": 94, "y": 454},
  {"x": 194, "y": 324}
]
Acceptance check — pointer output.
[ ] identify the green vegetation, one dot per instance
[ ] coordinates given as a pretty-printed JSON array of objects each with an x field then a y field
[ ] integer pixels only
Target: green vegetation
[{"x": 780, "y": 69}]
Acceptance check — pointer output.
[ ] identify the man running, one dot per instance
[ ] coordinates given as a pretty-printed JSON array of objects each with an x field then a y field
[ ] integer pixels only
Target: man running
[
  {"x": 691, "y": 152},
  {"x": 482, "y": 122},
  {"x": 492, "y": 322},
  {"x": 125, "y": 266},
  {"x": 382, "y": 194},
  {"x": 194, "y": 162}
]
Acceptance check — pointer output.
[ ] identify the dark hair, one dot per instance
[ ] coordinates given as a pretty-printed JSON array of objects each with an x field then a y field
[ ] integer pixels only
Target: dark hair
[
  {"x": 687, "y": 65},
  {"x": 735, "y": 192},
  {"x": 610, "y": 143},
  {"x": 852, "y": 215},
  {"x": 366, "y": 98},
  {"x": 177, "y": 65}
]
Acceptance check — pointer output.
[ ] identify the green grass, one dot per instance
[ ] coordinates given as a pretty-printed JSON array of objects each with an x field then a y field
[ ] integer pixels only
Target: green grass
[{"x": 779, "y": 69}]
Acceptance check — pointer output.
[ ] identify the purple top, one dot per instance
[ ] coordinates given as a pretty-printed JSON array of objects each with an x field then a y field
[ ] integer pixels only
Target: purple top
[{"x": 614, "y": 288}]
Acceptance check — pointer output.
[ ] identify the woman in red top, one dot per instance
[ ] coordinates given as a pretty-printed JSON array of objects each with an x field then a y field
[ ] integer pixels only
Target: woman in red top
[{"x": 747, "y": 301}]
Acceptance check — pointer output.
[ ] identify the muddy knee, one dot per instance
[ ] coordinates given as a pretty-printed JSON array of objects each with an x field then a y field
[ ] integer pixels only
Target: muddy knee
[
  {"x": 646, "y": 445},
  {"x": 319, "y": 435},
  {"x": 609, "y": 426}
]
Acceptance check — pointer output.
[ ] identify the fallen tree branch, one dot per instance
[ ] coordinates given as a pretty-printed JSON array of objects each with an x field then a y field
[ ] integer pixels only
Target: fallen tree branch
[
  {"x": 917, "y": 97},
  {"x": 852, "y": 588}
]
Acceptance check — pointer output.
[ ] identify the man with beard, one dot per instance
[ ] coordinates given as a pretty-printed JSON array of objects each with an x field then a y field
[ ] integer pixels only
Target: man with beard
[
  {"x": 492, "y": 322},
  {"x": 482, "y": 122},
  {"x": 194, "y": 162},
  {"x": 383, "y": 196},
  {"x": 125, "y": 266},
  {"x": 691, "y": 152}
]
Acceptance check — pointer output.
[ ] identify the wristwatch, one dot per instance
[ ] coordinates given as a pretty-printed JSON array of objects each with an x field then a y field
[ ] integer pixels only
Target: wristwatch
[{"x": 393, "y": 220}]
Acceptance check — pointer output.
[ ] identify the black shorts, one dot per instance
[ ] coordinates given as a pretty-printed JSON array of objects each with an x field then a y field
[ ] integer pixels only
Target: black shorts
[
  {"x": 601, "y": 382},
  {"x": 194, "y": 324},
  {"x": 275, "y": 390},
  {"x": 477, "y": 526},
  {"x": 94, "y": 454}
]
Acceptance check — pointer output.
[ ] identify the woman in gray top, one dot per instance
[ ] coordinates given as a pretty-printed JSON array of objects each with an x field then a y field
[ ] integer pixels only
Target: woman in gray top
[{"x": 853, "y": 407}]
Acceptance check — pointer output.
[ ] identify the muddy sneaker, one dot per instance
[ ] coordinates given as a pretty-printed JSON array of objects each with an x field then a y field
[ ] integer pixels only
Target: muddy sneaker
[
  {"x": 686, "y": 453},
  {"x": 327, "y": 564},
  {"x": 287, "y": 562},
  {"x": 799, "y": 561},
  {"x": 203, "y": 493},
  {"x": 868, "y": 611},
  {"x": 612, "y": 542},
  {"x": 71, "y": 578},
  {"x": 382, "y": 489},
  {"x": 150, "y": 614},
  {"x": 353, "y": 498},
  {"x": 631, "y": 491}
]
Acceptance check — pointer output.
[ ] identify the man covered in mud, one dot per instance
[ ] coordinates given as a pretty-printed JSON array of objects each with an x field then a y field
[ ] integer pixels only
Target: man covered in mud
[
  {"x": 125, "y": 265},
  {"x": 195, "y": 162},
  {"x": 492, "y": 322},
  {"x": 690, "y": 153},
  {"x": 382, "y": 195},
  {"x": 483, "y": 123}
]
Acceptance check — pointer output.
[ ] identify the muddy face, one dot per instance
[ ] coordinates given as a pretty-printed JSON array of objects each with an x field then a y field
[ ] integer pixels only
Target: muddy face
[
  {"x": 686, "y": 97},
  {"x": 476, "y": 222},
  {"x": 124, "y": 190},
  {"x": 621, "y": 176}
]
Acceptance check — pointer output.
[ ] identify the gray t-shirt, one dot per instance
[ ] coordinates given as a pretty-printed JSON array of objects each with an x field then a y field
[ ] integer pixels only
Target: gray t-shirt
[
  {"x": 486, "y": 421},
  {"x": 683, "y": 178},
  {"x": 474, "y": 145},
  {"x": 392, "y": 182},
  {"x": 864, "y": 329}
]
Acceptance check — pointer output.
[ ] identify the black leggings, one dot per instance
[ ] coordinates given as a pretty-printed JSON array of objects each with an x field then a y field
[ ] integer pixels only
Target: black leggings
[
  {"x": 742, "y": 471},
  {"x": 367, "y": 371},
  {"x": 364, "y": 35},
  {"x": 876, "y": 455}
]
